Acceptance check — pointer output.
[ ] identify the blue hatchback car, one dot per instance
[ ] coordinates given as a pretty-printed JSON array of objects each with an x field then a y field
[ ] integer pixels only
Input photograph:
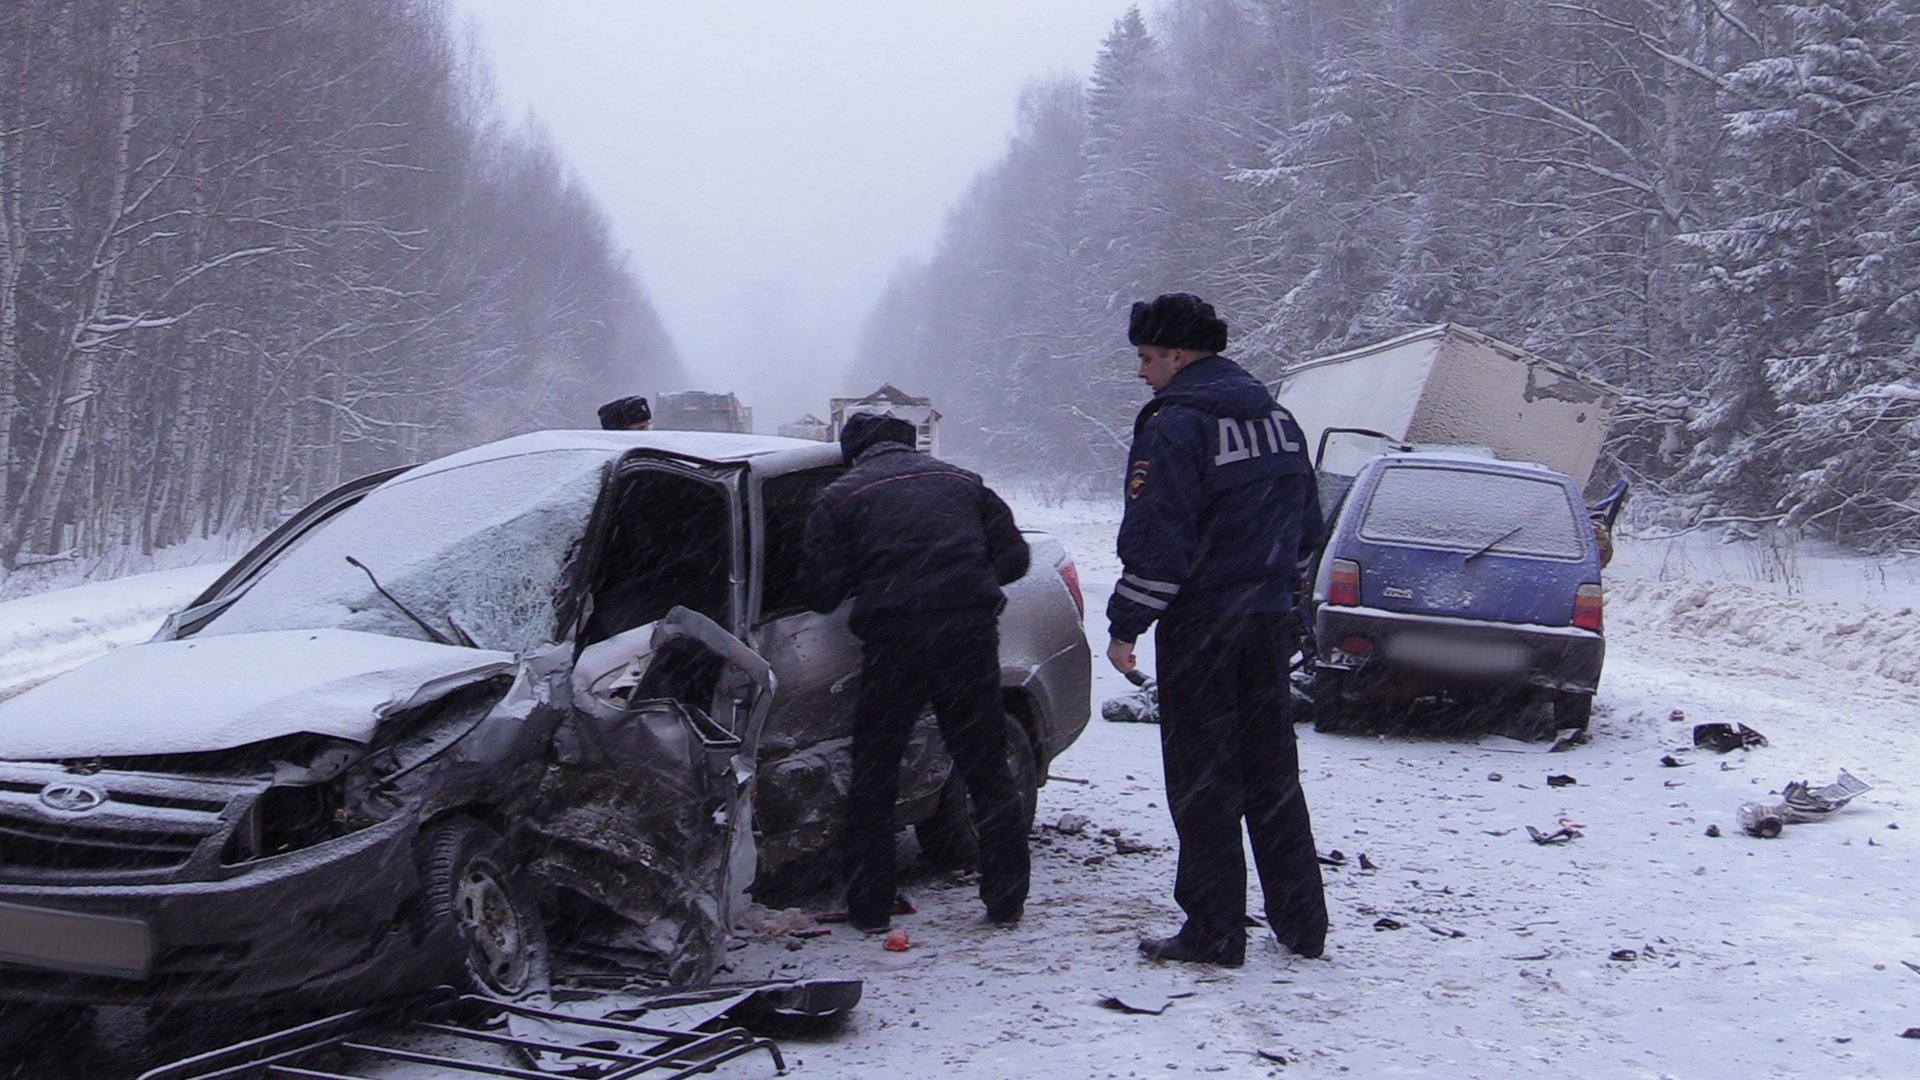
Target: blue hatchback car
[{"x": 1457, "y": 575}]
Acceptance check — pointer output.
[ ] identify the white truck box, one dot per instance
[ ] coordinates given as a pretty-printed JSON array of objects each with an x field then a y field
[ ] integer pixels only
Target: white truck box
[{"x": 1450, "y": 385}]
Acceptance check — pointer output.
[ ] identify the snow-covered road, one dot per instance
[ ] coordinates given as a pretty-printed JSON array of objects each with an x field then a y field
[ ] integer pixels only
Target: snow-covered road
[{"x": 1753, "y": 957}]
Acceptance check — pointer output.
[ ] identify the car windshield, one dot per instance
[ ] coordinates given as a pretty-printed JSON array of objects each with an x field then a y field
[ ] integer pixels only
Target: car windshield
[
  {"x": 482, "y": 547},
  {"x": 1474, "y": 511}
]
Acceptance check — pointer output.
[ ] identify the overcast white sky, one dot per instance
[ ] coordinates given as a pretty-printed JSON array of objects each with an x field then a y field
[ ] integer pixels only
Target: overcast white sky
[{"x": 768, "y": 163}]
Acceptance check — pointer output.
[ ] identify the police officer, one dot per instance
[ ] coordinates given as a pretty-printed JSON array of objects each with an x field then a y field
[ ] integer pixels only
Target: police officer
[
  {"x": 626, "y": 414},
  {"x": 1221, "y": 507},
  {"x": 923, "y": 547}
]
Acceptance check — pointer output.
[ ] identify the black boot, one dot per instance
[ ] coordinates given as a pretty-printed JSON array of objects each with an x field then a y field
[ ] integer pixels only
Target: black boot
[{"x": 1176, "y": 948}]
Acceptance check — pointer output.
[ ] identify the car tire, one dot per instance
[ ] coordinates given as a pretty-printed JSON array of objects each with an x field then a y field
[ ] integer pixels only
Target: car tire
[
  {"x": 1571, "y": 710},
  {"x": 947, "y": 838},
  {"x": 473, "y": 892}
]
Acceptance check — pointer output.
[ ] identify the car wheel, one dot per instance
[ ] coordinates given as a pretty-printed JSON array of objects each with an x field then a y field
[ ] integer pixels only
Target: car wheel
[
  {"x": 1571, "y": 710},
  {"x": 471, "y": 891},
  {"x": 947, "y": 838}
]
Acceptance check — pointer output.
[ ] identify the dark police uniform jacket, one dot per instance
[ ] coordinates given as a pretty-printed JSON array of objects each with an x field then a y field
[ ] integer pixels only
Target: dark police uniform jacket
[
  {"x": 913, "y": 539},
  {"x": 1221, "y": 504}
]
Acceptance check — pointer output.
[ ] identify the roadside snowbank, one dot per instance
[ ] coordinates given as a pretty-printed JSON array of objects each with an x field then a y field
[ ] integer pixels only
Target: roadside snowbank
[
  {"x": 44, "y": 635},
  {"x": 1721, "y": 613}
]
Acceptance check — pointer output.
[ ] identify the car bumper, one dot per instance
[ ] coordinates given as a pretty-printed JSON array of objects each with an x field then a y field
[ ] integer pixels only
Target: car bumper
[
  {"x": 1548, "y": 657},
  {"x": 1061, "y": 688},
  {"x": 320, "y": 923}
]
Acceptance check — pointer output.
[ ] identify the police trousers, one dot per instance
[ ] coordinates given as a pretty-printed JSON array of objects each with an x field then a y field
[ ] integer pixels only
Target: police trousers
[
  {"x": 957, "y": 671},
  {"x": 1227, "y": 743}
]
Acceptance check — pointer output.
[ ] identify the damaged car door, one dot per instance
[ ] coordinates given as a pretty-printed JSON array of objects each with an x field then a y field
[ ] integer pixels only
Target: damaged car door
[{"x": 645, "y": 809}]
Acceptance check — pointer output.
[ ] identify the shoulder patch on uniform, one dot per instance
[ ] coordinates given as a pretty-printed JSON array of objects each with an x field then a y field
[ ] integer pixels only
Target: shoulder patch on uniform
[{"x": 1137, "y": 480}]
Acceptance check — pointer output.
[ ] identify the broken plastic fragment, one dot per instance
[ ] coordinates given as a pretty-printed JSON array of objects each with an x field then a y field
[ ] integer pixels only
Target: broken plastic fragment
[
  {"x": 1801, "y": 803},
  {"x": 1725, "y": 737}
]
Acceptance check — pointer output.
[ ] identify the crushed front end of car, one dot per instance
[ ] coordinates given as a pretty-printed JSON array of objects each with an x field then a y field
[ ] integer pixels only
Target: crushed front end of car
[{"x": 426, "y": 845}]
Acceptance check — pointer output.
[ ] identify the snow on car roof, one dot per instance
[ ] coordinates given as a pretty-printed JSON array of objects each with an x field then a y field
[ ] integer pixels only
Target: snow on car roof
[
  {"x": 765, "y": 453},
  {"x": 1464, "y": 457}
]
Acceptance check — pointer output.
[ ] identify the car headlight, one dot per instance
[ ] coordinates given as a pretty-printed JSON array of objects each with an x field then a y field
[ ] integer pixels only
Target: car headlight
[{"x": 287, "y": 818}]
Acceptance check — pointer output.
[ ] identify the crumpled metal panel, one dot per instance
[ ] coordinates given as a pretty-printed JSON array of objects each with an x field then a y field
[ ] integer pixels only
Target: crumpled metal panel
[
  {"x": 644, "y": 809},
  {"x": 633, "y": 818}
]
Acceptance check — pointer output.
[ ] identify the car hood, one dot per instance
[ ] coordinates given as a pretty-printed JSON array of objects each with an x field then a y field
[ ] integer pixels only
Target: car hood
[{"x": 223, "y": 691}]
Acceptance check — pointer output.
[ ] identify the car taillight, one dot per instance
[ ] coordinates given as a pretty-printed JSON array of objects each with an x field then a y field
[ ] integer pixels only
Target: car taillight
[
  {"x": 1587, "y": 608},
  {"x": 1344, "y": 588},
  {"x": 1071, "y": 575}
]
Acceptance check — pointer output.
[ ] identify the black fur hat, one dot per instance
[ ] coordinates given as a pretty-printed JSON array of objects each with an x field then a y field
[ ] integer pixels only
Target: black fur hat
[
  {"x": 622, "y": 413},
  {"x": 1177, "y": 321},
  {"x": 862, "y": 430}
]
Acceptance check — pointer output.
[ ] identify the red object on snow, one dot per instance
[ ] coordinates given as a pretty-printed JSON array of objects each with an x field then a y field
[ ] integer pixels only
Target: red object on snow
[{"x": 896, "y": 942}]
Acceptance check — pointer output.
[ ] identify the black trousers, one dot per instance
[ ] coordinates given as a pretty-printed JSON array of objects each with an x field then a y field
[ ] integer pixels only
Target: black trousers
[
  {"x": 1227, "y": 742},
  {"x": 957, "y": 670}
]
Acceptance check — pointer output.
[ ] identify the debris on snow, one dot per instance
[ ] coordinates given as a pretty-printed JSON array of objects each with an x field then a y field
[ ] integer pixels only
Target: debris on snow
[
  {"x": 1385, "y": 923},
  {"x": 1799, "y": 804},
  {"x": 1071, "y": 824},
  {"x": 1561, "y": 835},
  {"x": 1803, "y": 804},
  {"x": 1127, "y": 845},
  {"x": 1569, "y": 739},
  {"x": 1366, "y": 863},
  {"x": 1561, "y": 780},
  {"x": 1761, "y": 819},
  {"x": 1140, "y": 706},
  {"x": 1143, "y": 1001},
  {"x": 1713, "y": 830},
  {"x": 1625, "y": 956},
  {"x": 1726, "y": 737},
  {"x": 1672, "y": 762}
]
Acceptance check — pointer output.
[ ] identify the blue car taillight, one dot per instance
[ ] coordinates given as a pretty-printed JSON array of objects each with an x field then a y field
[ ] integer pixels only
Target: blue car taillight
[
  {"x": 1343, "y": 588},
  {"x": 1588, "y": 608}
]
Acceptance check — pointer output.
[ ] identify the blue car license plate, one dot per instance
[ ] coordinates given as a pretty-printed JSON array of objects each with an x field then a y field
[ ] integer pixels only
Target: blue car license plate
[
  {"x": 75, "y": 941},
  {"x": 1465, "y": 656}
]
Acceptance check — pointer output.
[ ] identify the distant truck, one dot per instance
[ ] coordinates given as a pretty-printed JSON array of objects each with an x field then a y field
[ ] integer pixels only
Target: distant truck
[
  {"x": 1450, "y": 386},
  {"x": 702, "y": 410}
]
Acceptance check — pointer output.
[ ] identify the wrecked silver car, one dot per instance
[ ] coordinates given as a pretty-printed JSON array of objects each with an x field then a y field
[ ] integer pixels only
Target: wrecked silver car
[{"x": 561, "y": 680}]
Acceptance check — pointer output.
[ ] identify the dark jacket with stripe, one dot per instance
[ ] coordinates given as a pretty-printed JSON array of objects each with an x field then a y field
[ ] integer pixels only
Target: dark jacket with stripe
[
  {"x": 1221, "y": 503},
  {"x": 913, "y": 539}
]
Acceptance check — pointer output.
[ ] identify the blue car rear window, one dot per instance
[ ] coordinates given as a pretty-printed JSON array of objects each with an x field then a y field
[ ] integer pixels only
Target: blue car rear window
[{"x": 1469, "y": 510}]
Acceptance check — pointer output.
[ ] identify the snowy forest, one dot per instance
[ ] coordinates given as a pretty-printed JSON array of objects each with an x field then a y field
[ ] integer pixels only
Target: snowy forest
[
  {"x": 1711, "y": 204},
  {"x": 250, "y": 248}
]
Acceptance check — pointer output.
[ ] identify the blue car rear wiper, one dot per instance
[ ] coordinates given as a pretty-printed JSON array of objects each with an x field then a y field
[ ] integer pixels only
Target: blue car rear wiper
[{"x": 1489, "y": 545}]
